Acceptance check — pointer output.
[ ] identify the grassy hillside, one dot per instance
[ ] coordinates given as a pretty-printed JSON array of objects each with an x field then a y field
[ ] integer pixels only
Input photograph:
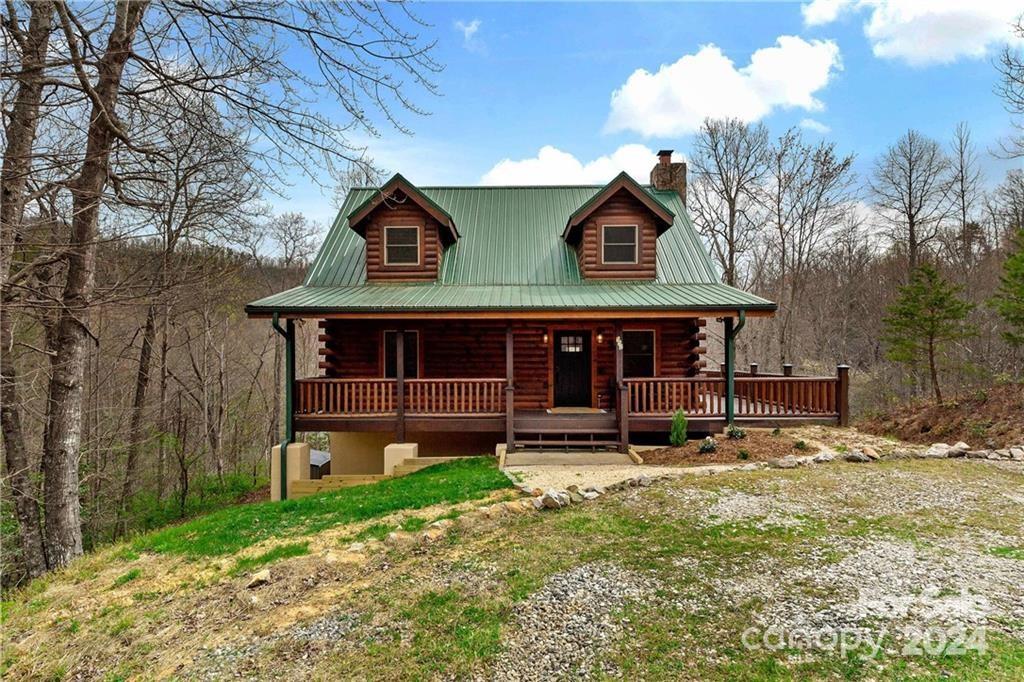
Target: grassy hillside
[{"x": 654, "y": 583}]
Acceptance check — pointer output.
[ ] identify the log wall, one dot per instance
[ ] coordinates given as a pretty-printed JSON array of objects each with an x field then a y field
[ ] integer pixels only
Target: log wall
[{"x": 476, "y": 348}]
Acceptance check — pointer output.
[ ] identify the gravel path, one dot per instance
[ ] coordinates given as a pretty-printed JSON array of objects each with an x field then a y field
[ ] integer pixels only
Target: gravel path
[
  {"x": 561, "y": 477},
  {"x": 560, "y": 631}
]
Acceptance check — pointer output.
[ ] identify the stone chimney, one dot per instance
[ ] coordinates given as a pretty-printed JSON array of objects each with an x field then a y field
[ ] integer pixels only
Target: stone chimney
[{"x": 669, "y": 176}]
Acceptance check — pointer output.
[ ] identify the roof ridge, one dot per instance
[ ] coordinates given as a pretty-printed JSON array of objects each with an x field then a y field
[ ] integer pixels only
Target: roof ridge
[{"x": 559, "y": 186}]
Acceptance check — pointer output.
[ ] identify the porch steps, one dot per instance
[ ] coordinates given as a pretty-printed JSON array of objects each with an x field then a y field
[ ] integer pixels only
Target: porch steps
[{"x": 568, "y": 439}]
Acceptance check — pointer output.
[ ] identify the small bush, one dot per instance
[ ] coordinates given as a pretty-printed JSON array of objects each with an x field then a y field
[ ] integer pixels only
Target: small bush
[
  {"x": 735, "y": 433},
  {"x": 679, "y": 423},
  {"x": 776, "y": 431},
  {"x": 743, "y": 454},
  {"x": 842, "y": 447},
  {"x": 801, "y": 445},
  {"x": 707, "y": 446}
]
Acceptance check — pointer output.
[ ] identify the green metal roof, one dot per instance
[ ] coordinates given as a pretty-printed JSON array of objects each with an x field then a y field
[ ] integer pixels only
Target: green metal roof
[
  {"x": 510, "y": 255},
  {"x": 429, "y": 297}
]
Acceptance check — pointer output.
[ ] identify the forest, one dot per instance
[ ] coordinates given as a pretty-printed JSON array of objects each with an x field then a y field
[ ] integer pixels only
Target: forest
[{"x": 143, "y": 143}]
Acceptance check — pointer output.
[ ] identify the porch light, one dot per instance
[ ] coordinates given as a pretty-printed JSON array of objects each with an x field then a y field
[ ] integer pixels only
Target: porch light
[
  {"x": 545, "y": 338},
  {"x": 600, "y": 337},
  {"x": 618, "y": 342}
]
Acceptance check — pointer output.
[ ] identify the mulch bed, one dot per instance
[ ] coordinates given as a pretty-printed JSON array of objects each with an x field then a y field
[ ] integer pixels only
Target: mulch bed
[{"x": 760, "y": 446}]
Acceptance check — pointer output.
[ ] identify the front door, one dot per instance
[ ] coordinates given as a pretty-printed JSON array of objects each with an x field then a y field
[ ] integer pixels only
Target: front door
[{"x": 572, "y": 369}]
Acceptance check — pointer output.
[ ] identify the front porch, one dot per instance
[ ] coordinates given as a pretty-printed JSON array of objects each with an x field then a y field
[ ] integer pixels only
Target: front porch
[{"x": 643, "y": 405}]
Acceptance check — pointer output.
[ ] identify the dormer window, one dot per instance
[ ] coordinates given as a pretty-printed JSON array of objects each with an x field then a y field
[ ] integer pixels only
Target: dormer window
[
  {"x": 401, "y": 245},
  {"x": 619, "y": 244}
]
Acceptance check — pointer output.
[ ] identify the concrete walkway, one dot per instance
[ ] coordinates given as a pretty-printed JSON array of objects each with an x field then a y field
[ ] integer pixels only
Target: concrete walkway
[{"x": 574, "y": 458}]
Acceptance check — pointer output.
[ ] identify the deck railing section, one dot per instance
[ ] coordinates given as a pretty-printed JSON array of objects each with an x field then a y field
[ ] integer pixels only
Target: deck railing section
[
  {"x": 755, "y": 396},
  {"x": 455, "y": 396},
  {"x": 372, "y": 397}
]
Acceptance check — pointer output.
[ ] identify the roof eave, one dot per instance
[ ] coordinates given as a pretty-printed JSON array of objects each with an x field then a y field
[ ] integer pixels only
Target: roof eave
[
  {"x": 398, "y": 181},
  {"x": 621, "y": 181}
]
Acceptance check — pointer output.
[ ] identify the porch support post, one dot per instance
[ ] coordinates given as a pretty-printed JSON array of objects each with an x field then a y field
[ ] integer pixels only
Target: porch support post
[
  {"x": 843, "y": 394},
  {"x": 510, "y": 392},
  {"x": 400, "y": 386},
  {"x": 730, "y": 365},
  {"x": 288, "y": 332},
  {"x": 622, "y": 391}
]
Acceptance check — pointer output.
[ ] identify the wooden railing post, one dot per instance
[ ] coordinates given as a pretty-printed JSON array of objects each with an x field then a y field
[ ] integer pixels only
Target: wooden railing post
[
  {"x": 622, "y": 402},
  {"x": 753, "y": 369},
  {"x": 787, "y": 370},
  {"x": 843, "y": 393},
  {"x": 400, "y": 386},
  {"x": 510, "y": 392}
]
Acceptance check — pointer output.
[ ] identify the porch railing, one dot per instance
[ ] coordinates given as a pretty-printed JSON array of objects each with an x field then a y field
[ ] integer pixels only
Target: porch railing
[
  {"x": 372, "y": 397},
  {"x": 755, "y": 396},
  {"x": 455, "y": 396}
]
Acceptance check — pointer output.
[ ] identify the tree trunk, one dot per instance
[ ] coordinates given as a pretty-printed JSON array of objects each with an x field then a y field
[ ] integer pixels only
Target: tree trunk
[
  {"x": 63, "y": 436},
  {"x": 138, "y": 403},
  {"x": 23, "y": 122},
  {"x": 933, "y": 372}
]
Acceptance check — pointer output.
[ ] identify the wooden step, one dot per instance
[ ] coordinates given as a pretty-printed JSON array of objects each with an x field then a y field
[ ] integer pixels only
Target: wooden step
[
  {"x": 562, "y": 444},
  {"x": 572, "y": 432}
]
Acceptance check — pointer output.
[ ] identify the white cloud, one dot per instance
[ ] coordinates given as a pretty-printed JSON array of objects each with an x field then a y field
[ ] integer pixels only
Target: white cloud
[
  {"x": 469, "y": 29},
  {"x": 552, "y": 166},
  {"x": 921, "y": 32},
  {"x": 815, "y": 126},
  {"x": 676, "y": 99}
]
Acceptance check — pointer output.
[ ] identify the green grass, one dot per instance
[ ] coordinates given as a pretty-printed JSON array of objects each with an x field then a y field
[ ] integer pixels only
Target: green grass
[
  {"x": 282, "y": 552},
  {"x": 127, "y": 577},
  {"x": 1008, "y": 552},
  {"x": 228, "y": 530}
]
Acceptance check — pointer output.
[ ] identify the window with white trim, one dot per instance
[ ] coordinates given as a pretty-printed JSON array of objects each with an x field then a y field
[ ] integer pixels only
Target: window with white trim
[
  {"x": 401, "y": 245},
  {"x": 619, "y": 244}
]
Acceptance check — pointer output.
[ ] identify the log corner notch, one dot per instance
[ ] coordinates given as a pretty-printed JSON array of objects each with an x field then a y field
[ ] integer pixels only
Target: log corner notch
[
  {"x": 843, "y": 393},
  {"x": 288, "y": 332}
]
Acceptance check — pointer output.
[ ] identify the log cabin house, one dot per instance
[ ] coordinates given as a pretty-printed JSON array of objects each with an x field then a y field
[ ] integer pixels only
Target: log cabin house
[{"x": 546, "y": 316}]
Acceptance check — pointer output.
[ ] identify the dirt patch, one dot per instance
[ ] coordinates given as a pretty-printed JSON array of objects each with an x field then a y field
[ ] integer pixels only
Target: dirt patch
[
  {"x": 757, "y": 446},
  {"x": 990, "y": 418}
]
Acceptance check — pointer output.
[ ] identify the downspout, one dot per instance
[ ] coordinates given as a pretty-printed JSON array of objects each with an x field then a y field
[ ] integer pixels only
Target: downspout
[
  {"x": 730, "y": 365},
  {"x": 288, "y": 332}
]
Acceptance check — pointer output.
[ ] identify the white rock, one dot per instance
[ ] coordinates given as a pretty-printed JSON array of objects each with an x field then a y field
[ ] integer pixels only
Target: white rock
[
  {"x": 259, "y": 578},
  {"x": 856, "y": 456},
  {"x": 787, "y": 462},
  {"x": 937, "y": 451},
  {"x": 823, "y": 457}
]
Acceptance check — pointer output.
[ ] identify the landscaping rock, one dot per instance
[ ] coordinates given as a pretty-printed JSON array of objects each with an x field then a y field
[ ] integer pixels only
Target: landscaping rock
[
  {"x": 1003, "y": 454},
  {"x": 259, "y": 578},
  {"x": 433, "y": 534},
  {"x": 823, "y": 457},
  {"x": 537, "y": 502},
  {"x": 787, "y": 462},
  {"x": 749, "y": 467},
  {"x": 555, "y": 499},
  {"x": 937, "y": 451},
  {"x": 977, "y": 454},
  {"x": 644, "y": 481},
  {"x": 870, "y": 452},
  {"x": 576, "y": 497},
  {"x": 856, "y": 456},
  {"x": 400, "y": 538},
  {"x": 1017, "y": 454},
  {"x": 357, "y": 547},
  {"x": 590, "y": 495},
  {"x": 594, "y": 489}
]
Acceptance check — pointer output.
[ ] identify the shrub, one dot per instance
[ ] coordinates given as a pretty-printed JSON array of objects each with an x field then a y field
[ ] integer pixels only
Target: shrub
[
  {"x": 678, "y": 434},
  {"x": 735, "y": 432},
  {"x": 800, "y": 445},
  {"x": 776, "y": 431},
  {"x": 708, "y": 445},
  {"x": 743, "y": 454}
]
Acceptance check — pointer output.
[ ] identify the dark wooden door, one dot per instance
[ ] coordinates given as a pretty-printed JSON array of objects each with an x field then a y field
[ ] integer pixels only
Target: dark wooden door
[{"x": 572, "y": 369}]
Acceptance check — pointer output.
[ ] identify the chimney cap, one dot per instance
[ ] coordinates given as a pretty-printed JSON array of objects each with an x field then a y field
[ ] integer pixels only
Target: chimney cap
[{"x": 665, "y": 152}]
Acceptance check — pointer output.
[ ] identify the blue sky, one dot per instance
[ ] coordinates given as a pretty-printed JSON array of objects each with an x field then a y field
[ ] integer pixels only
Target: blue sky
[{"x": 594, "y": 81}]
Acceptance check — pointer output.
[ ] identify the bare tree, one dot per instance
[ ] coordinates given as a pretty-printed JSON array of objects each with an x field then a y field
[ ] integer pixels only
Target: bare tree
[
  {"x": 806, "y": 195},
  {"x": 294, "y": 238},
  {"x": 360, "y": 173},
  {"x": 31, "y": 43},
  {"x": 728, "y": 161},
  {"x": 911, "y": 188},
  {"x": 965, "y": 192},
  {"x": 1011, "y": 89}
]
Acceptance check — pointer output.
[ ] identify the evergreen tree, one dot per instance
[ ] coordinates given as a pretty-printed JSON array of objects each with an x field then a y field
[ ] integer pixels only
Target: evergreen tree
[
  {"x": 927, "y": 314},
  {"x": 1009, "y": 298}
]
